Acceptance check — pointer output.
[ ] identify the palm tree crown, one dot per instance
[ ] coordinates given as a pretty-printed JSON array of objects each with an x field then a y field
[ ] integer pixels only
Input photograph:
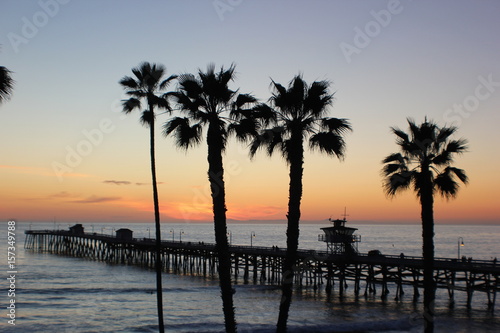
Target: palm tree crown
[
  {"x": 300, "y": 110},
  {"x": 147, "y": 85},
  {"x": 207, "y": 100},
  {"x": 6, "y": 84},
  {"x": 426, "y": 152}
]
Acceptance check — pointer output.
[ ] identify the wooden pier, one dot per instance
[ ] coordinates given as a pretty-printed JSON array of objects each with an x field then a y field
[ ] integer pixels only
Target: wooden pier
[{"x": 368, "y": 274}]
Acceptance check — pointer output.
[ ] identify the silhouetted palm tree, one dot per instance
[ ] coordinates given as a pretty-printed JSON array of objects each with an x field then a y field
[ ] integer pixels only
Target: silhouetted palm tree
[
  {"x": 146, "y": 93},
  {"x": 424, "y": 164},
  {"x": 208, "y": 102},
  {"x": 6, "y": 84},
  {"x": 295, "y": 114}
]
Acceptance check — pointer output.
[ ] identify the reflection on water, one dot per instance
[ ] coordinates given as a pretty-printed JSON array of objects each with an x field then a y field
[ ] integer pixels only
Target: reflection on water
[{"x": 62, "y": 294}]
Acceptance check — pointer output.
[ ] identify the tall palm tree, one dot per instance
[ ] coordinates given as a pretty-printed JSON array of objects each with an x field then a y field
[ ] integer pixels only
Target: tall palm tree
[
  {"x": 424, "y": 164},
  {"x": 208, "y": 102},
  {"x": 146, "y": 93},
  {"x": 6, "y": 84},
  {"x": 295, "y": 114}
]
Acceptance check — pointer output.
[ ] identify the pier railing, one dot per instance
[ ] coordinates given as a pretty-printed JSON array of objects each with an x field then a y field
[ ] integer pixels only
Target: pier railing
[{"x": 264, "y": 264}]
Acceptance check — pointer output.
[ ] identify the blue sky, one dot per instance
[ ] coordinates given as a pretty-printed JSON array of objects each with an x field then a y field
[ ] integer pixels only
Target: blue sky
[{"x": 414, "y": 58}]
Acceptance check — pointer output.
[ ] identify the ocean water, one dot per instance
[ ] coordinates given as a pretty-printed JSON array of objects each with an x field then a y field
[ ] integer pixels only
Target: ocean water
[{"x": 64, "y": 294}]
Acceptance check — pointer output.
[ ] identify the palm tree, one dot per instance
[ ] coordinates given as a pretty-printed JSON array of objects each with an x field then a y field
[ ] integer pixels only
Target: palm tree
[
  {"x": 146, "y": 92},
  {"x": 424, "y": 164},
  {"x": 208, "y": 102},
  {"x": 6, "y": 84},
  {"x": 295, "y": 114}
]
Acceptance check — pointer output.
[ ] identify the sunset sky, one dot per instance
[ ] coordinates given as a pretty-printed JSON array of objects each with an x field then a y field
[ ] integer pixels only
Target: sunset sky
[{"x": 68, "y": 152}]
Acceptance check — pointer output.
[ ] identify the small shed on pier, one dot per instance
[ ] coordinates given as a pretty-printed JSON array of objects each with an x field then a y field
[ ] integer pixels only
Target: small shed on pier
[
  {"x": 77, "y": 229},
  {"x": 124, "y": 233}
]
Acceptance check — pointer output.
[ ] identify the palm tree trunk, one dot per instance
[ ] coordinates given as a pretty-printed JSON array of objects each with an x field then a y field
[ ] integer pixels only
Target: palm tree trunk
[
  {"x": 158, "y": 264},
  {"x": 292, "y": 233},
  {"x": 216, "y": 178},
  {"x": 427, "y": 202}
]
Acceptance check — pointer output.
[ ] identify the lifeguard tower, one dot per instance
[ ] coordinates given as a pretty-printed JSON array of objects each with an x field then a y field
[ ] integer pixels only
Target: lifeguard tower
[{"x": 340, "y": 239}]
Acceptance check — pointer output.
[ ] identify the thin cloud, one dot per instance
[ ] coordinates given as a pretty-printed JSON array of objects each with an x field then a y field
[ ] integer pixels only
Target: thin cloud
[
  {"x": 95, "y": 199},
  {"x": 117, "y": 182},
  {"x": 64, "y": 195},
  {"x": 140, "y": 184}
]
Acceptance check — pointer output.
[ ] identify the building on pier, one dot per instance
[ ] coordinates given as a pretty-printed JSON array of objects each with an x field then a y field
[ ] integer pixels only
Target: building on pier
[
  {"x": 124, "y": 233},
  {"x": 77, "y": 229},
  {"x": 340, "y": 239}
]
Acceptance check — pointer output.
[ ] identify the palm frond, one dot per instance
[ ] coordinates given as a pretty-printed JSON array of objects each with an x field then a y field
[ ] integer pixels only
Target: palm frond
[
  {"x": 265, "y": 114},
  {"x": 244, "y": 99},
  {"x": 444, "y": 158},
  {"x": 336, "y": 125},
  {"x": 398, "y": 182},
  {"x": 151, "y": 74},
  {"x": 457, "y": 146},
  {"x": 445, "y": 133},
  {"x": 402, "y": 136},
  {"x": 459, "y": 173},
  {"x": 210, "y": 72},
  {"x": 225, "y": 76},
  {"x": 130, "y": 104},
  {"x": 165, "y": 83},
  {"x": 328, "y": 142},
  {"x": 186, "y": 135},
  {"x": 147, "y": 118},
  {"x": 190, "y": 85},
  {"x": 297, "y": 90},
  {"x": 139, "y": 93},
  {"x": 318, "y": 89},
  {"x": 392, "y": 168},
  {"x": 159, "y": 101},
  {"x": 277, "y": 88},
  {"x": 318, "y": 98},
  {"x": 138, "y": 74},
  {"x": 244, "y": 129},
  {"x": 446, "y": 185},
  {"x": 6, "y": 84},
  {"x": 395, "y": 157},
  {"x": 187, "y": 104},
  {"x": 241, "y": 107},
  {"x": 129, "y": 82},
  {"x": 268, "y": 139}
]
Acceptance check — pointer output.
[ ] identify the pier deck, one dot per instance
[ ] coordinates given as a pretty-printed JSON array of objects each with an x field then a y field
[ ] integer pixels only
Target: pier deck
[{"x": 314, "y": 269}]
